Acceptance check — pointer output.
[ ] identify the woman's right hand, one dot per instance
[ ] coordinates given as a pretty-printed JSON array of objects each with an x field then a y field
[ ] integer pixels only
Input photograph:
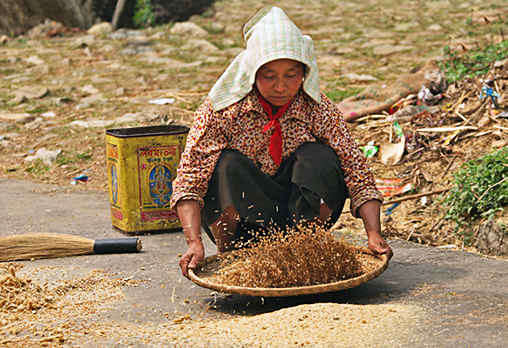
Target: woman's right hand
[
  {"x": 195, "y": 254},
  {"x": 189, "y": 214}
]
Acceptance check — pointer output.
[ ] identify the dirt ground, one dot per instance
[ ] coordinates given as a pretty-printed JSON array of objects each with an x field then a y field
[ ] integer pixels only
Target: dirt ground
[
  {"x": 82, "y": 85},
  {"x": 427, "y": 297}
]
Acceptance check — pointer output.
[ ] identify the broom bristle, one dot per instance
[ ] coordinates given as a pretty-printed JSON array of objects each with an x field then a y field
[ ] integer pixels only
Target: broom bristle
[{"x": 43, "y": 246}]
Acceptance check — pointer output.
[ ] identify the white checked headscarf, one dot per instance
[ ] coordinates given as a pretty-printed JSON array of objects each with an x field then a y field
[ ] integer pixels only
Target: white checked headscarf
[{"x": 270, "y": 35}]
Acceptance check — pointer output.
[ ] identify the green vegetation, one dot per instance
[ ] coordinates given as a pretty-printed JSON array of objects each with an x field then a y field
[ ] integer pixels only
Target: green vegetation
[
  {"x": 37, "y": 168},
  {"x": 144, "y": 16},
  {"x": 74, "y": 156},
  {"x": 340, "y": 94},
  {"x": 480, "y": 190},
  {"x": 475, "y": 62},
  {"x": 38, "y": 110}
]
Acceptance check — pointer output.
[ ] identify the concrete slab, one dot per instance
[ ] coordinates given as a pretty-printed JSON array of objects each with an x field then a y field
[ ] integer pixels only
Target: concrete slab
[{"x": 465, "y": 296}]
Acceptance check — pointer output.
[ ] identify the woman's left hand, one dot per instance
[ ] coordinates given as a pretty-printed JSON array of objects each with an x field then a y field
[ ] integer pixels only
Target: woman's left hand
[
  {"x": 370, "y": 214},
  {"x": 378, "y": 245}
]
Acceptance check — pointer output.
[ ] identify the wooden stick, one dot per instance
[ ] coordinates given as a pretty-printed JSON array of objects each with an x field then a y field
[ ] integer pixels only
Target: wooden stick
[
  {"x": 448, "y": 167},
  {"x": 462, "y": 117},
  {"x": 446, "y": 129},
  {"x": 501, "y": 128},
  {"x": 118, "y": 12},
  {"x": 423, "y": 194},
  {"x": 491, "y": 186}
]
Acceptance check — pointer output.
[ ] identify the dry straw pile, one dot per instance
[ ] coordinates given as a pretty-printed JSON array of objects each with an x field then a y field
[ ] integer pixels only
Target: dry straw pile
[
  {"x": 304, "y": 256},
  {"x": 34, "y": 314}
]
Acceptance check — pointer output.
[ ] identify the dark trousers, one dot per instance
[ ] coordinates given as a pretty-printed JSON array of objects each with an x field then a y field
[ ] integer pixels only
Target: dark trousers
[{"x": 289, "y": 197}]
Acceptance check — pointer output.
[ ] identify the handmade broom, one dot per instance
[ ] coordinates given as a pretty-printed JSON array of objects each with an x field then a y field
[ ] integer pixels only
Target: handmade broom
[{"x": 51, "y": 245}]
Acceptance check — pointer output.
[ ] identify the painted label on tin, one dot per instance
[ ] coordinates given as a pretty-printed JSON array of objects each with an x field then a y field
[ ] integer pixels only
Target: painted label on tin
[
  {"x": 114, "y": 192},
  {"x": 157, "y": 170}
]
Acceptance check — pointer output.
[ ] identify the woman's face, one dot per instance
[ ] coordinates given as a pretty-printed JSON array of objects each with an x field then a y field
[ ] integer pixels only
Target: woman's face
[{"x": 278, "y": 81}]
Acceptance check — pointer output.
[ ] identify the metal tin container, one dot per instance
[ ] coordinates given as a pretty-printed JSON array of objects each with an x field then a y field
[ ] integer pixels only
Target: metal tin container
[{"x": 142, "y": 163}]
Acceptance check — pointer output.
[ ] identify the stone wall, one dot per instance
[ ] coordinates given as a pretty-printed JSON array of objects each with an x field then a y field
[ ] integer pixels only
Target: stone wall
[{"x": 19, "y": 16}]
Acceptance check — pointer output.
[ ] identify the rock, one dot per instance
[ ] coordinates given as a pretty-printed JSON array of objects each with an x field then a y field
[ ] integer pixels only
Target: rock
[
  {"x": 342, "y": 50},
  {"x": 217, "y": 28},
  {"x": 142, "y": 80},
  {"x": 107, "y": 48},
  {"x": 356, "y": 77},
  {"x": 61, "y": 101},
  {"x": 34, "y": 60},
  {"x": 49, "y": 114},
  {"x": 84, "y": 41},
  {"x": 121, "y": 34},
  {"x": 386, "y": 50},
  {"x": 47, "y": 137},
  {"x": 484, "y": 122},
  {"x": 89, "y": 101},
  {"x": 158, "y": 35},
  {"x": 137, "y": 47},
  {"x": 374, "y": 43},
  {"x": 100, "y": 29},
  {"x": 9, "y": 136},
  {"x": 48, "y": 157},
  {"x": 88, "y": 51},
  {"x": 89, "y": 89},
  {"x": 161, "y": 77},
  {"x": 9, "y": 145},
  {"x": 42, "y": 30},
  {"x": 408, "y": 26},
  {"x": 137, "y": 116},
  {"x": 492, "y": 239},
  {"x": 120, "y": 91},
  {"x": 227, "y": 42},
  {"x": 42, "y": 69},
  {"x": 156, "y": 60},
  {"x": 188, "y": 29},
  {"x": 17, "y": 118},
  {"x": 91, "y": 123},
  {"x": 435, "y": 27},
  {"x": 28, "y": 92},
  {"x": 233, "y": 51},
  {"x": 34, "y": 124},
  {"x": 199, "y": 45}
]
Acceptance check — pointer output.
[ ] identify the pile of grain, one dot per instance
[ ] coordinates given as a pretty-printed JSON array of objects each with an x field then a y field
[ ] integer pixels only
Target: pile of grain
[
  {"x": 303, "y": 256},
  {"x": 310, "y": 325},
  {"x": 35, "y": 314},
  {"x": 306, "y": 325}
]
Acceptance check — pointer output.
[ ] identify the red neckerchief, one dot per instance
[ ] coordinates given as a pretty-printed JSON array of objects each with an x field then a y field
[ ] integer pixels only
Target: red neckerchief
[{"x": 276, "y": 138}]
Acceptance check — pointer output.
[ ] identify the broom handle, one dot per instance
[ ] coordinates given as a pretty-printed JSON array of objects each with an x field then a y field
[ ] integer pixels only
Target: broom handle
[{"x": 121, "y": 245}]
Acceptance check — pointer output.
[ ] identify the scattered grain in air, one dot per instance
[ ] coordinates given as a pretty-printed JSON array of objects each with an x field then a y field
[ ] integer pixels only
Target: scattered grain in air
[
  {"x": 251, "y": 206},
  {"x": 303, "y": 256}
]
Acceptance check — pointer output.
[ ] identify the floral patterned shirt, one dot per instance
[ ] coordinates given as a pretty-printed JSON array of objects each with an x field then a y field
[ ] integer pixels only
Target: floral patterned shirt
[{"x": 240, "y": 127}]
